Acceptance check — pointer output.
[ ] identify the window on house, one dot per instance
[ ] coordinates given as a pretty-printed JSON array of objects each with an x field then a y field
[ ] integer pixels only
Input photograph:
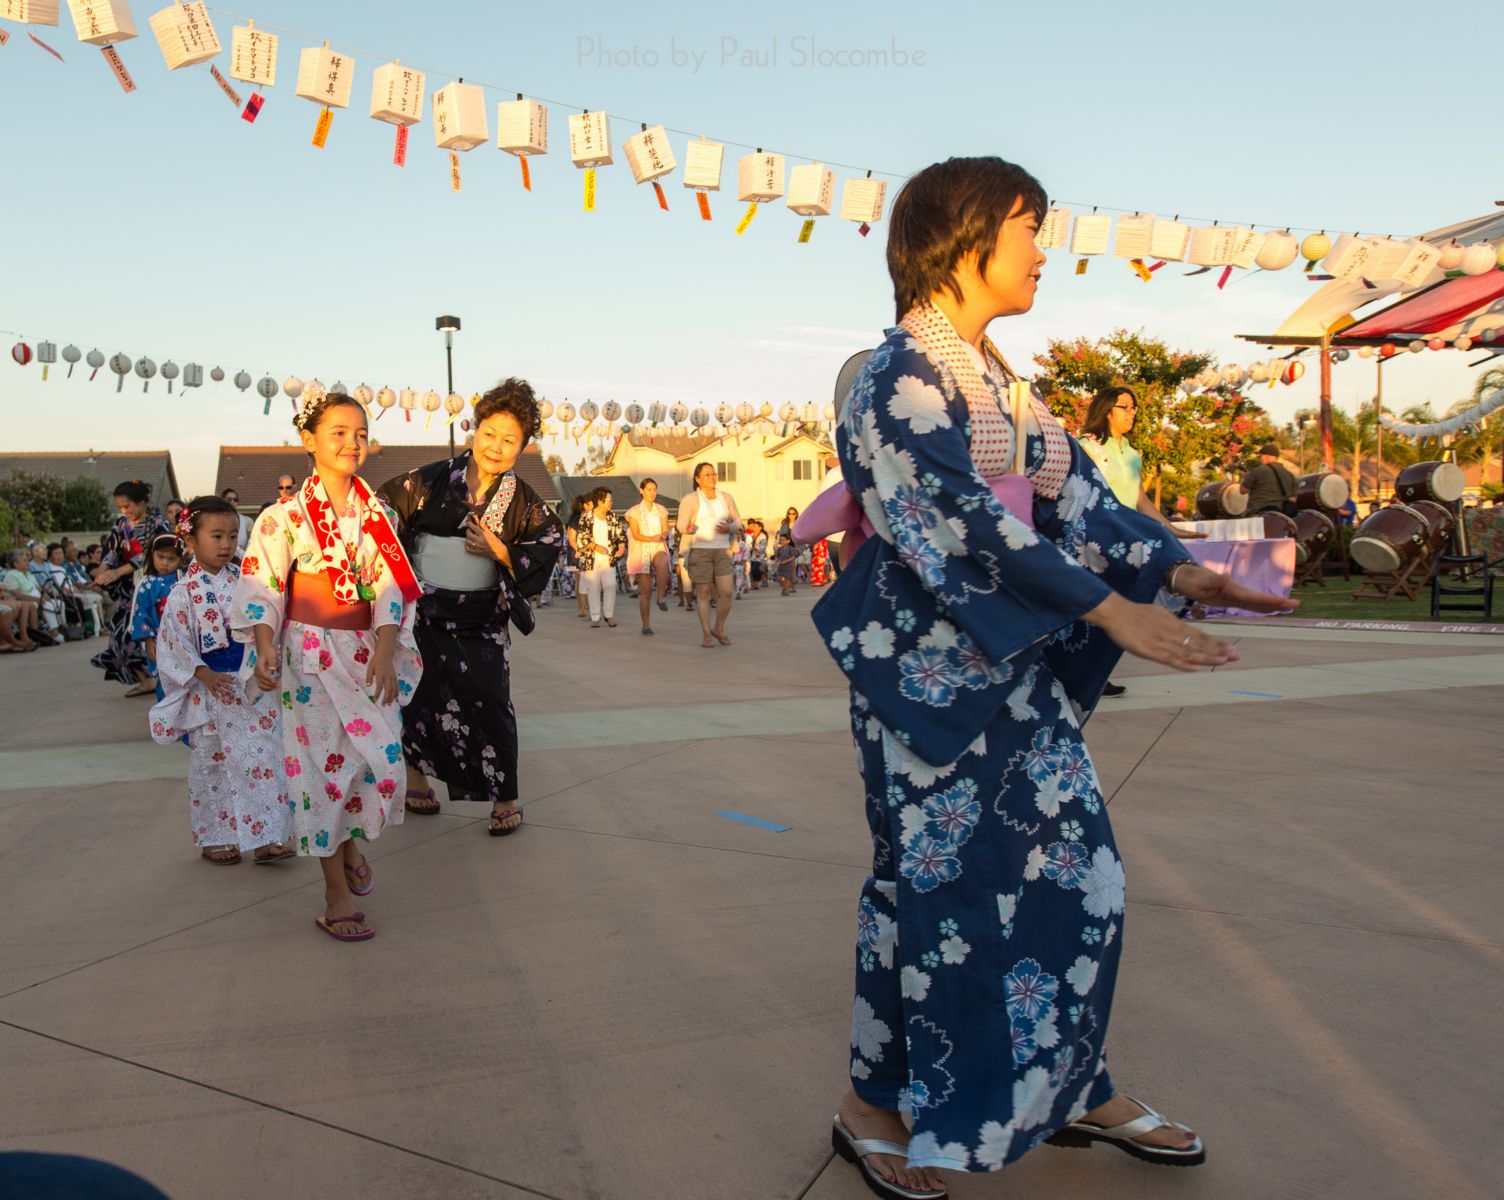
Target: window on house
[
  {"x": 725, "y": 472},
  {"x": 804, "y": 468}
]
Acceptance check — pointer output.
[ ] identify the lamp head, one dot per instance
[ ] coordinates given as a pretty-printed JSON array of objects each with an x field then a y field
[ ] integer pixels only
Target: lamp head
[{"x": 447, "y": 324}]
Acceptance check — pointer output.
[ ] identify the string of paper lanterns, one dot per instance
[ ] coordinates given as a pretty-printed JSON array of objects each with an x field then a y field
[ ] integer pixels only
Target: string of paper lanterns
[{"x": 1448, "y": 425}]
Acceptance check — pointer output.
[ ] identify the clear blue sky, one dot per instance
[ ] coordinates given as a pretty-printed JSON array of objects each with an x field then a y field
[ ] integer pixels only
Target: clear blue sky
[{"x": 159, "y": 223}]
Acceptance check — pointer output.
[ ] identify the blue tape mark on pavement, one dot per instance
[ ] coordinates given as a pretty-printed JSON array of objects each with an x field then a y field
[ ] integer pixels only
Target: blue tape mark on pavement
[
  {"x": 758, "y": 821},
  {"x": 1262, "y": 695}
]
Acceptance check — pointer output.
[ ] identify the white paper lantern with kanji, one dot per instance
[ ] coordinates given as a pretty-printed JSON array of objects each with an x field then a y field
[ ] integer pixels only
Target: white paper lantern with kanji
[
  {"x": 649, "y": 155},
  {"x": 185, "y": 34},
  {"x": 812, "y": 189},
  {"x": 266, "y": 386},
  {"x": 386, "y": 398},
  {"x": 565, "y": 413},
  {"x": 325, "y": 77},
  {"x": 253, "y": 55},
  {"x": 1258, "y": 373},
  {"x": 46, "y": 352},
  {"x": 590, "y": 139},
  {"x": 145, "y": 370},
  {"x": 30, "y": 12},
  {"x": 364, "y": 397},
  {"x": 745, "y": 412},
  {"x": 611, "y": 411},
  {"x": 702, "y": 165},
  {"x": 788, "y": 413},
  {"x": 699, "y": 418},
  {"x": 1479, "y": 259},
  {"x": 678, "y": 413},
  {"x": 454, "y": 404},
  {"x": 723, "y": 413},
  {"x": 397, "y": 94},
  {"x": 759, "y": 177},
  {"x": 102, "y": 22},
  {"x": 545, "y": 409},
  {"x": 632, "y": 414},
  {"x": 522, "y": 127},
  {"x": 459, "y": 117},
  {"x": 407, "y": 399},
  {"x": 242, "y": 380},
  {"x": 1278, "y": 251},
  {"x": 170, "y": 371},
  {"x": 656, "y": 413},
  {"x": 432, "y": 401},
  {"x": 589, "y": 411},
  {"x": 862, "y": 200},
  {"x": 193, "y": 375}
]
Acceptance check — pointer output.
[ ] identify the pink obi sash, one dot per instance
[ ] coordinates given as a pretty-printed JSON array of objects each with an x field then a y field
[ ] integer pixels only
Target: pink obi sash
[{"x": 836, "y": 511}]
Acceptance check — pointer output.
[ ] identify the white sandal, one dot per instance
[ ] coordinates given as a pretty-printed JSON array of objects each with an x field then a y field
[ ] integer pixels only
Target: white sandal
[
  {"x": 855, "y": 1150},
  {"x": 1081, "y": 1134}
]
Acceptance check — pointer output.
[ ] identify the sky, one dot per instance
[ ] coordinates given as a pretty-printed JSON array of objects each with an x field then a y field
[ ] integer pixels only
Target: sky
[{"x": 159, "y": 223}]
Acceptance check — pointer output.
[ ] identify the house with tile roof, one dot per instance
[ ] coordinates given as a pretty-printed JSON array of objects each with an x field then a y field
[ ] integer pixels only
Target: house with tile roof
[{"x": 106, "y": 467}]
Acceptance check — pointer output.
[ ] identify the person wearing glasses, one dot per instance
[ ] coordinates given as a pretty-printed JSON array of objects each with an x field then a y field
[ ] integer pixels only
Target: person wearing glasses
[
  {"x": 244, "y": 536},
  {"x": 286, "y": 486}
]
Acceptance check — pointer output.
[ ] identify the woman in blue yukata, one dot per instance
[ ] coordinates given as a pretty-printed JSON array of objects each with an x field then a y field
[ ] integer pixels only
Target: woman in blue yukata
[{"x": 977, "y": 624}]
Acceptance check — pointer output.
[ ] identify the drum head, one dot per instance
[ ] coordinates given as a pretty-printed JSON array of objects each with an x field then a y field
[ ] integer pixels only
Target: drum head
[
  {"x": 1447, "y": 483},
  {"x": 1374, "y": 556},
  {"x": 1332, "y": 491}
]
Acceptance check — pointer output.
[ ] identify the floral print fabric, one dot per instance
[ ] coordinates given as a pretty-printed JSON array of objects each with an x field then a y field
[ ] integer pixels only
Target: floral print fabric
[
  {"x": 989, "y": 930},
  {"x": 125, "y": 542},
  {"x": 341, "y": 751}
]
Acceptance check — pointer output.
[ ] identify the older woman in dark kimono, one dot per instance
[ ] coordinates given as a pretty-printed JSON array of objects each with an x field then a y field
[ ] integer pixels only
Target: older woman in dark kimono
[
  {"x": 483, "y": 544},
  {"x": 124, "y": 548}
]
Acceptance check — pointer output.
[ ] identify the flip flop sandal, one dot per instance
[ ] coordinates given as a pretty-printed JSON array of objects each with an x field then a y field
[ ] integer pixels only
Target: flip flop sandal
[
  {"x": 1081, "y": 1134},
  {"x": 431, "y": 809},
  {"x": 356, "y": 876},
  {"x": 287, "y": 852},
  {"x": 207, "y": 851},
  {"x": 327, "y": 926},
  {"x": 855, "y": 1150},
  {"x": 507, "y": 831}
]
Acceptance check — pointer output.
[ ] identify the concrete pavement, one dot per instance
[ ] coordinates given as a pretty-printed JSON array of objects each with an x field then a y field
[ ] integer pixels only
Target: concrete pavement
[{"x": 638, "y": 997}]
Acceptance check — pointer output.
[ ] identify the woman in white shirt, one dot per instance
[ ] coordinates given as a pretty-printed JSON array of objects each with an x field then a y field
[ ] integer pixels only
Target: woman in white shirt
[
  {"x": 647, "y": 550},
  {"x": 600, "y": 540},
  {"x": 709, "y": 522}
]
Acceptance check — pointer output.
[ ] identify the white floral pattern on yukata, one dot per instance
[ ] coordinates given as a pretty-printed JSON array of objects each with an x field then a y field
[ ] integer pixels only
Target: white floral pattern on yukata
[
  {"x": 996, "y": 890},
  {"x": 236, "y": 792},
  {"x": 341, "y": 751}
]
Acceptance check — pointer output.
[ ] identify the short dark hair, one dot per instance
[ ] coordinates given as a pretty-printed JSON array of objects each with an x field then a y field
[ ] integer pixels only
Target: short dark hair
[
  {"x": 647, "y": 481},
  {"x": 171, "y": 502},
  {"x": 133, "y": 490},
  {"x": 946, "y": 211},
  {"x": 204, "y": 506},
  {"x": 163, "y": 541},
  {"x": 601, "y": 493},
  {"x": 51, "y": 546},
  {"x": 700, "y": 467},
  {"x": 225, "y": 492},
  {"x": 514, "y": 397},
  {"x": 93, "y": 548},
  {"x": 1101, "y": 404}
]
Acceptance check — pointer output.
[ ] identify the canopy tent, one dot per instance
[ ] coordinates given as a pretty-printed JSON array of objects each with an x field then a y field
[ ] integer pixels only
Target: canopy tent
[{"x": 1468, "y": 306}]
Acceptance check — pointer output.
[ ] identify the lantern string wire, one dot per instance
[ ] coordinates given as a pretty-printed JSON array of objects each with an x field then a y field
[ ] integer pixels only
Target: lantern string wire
[{"x": 356, "y": 51}]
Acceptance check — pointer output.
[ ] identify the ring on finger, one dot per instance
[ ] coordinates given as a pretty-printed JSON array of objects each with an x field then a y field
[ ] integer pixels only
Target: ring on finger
[{"x": 1185, "y": 642}]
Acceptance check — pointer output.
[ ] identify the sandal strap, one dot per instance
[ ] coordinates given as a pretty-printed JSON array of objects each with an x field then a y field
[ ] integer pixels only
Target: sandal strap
[
  {"x": 1147, "y": 1122},
  {"x": 866, "y": 1146}
]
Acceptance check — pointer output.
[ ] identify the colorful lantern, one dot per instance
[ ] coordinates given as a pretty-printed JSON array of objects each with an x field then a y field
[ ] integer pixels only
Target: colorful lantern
[
  {"x": 1388, "y": 350},
  {"x": 253, "y": 55},
  {"x": 397, "y": 94},
  {"x": 1436, "y": 343},
  {"x": 459, "y": 117},
  {"x": 185, "y": 34},
  {"x": 1416, "y": 346},
  {"x": 1365, "y": 351},
  {"x": 522, "y": 127},
  {"x": 759, "y": 177},
  {"x": 1316, "y": 247},
  {"x": 21, "y": 352},
  {"x": 1463, "y": 343},
  {"x": 812, "y": 189},
  {"x": 1293, "y": 371},
  {"x": 102, "y": 22}
]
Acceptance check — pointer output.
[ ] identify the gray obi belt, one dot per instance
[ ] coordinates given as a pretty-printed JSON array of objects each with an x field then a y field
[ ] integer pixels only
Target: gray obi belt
[{"x": 443, "y": 562}]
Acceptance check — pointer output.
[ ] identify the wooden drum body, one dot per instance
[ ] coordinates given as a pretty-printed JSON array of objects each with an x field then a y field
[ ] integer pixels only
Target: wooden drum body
[
  {"x": 1324, "y": 491},
  {"x": 1440, "y": 521},
  {"x": 1389, "y": 539},
  {"x": 1220, "y": 501},
  {"x": 1277, "y": 525},
  {"x": 1314, "y": 532},
  {"x": 1442, "y": 482}
]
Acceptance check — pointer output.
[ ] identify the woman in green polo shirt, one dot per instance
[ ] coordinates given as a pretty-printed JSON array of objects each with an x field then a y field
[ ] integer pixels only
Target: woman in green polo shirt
[{"x": 1104, "y": 437}]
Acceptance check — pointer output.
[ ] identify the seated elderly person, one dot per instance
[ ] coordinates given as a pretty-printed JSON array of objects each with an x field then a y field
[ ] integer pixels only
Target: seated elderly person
[
  {"x": 84, "y": 587},
  {"x": 55, "y": 606},
  {"x": 22, "y": 592},
  {"x": 79, "y": 601}
]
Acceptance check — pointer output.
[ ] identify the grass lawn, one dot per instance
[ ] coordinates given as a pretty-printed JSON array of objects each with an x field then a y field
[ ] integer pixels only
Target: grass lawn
[{"x": 1334, "y": 602}]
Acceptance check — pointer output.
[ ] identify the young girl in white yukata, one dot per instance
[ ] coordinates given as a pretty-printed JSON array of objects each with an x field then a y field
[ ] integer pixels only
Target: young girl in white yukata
[
  {"x": 237, "y": 800},
  {"x": 326, "y": 594}
]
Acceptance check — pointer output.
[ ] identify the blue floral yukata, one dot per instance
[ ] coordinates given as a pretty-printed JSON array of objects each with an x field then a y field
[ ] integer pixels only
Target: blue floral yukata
[{"x": 989, "y": 931}]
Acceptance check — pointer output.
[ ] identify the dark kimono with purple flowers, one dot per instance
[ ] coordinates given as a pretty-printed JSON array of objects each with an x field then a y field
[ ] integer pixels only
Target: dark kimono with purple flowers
[
  {"x": 460, "y": 725},
  {"x": 126, "y": 542}
]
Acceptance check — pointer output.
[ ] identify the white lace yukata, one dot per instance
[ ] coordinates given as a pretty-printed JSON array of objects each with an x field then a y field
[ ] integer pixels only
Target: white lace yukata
[
  {"x": 341, "y": 752},
  {"x": 236, "y": 795}
]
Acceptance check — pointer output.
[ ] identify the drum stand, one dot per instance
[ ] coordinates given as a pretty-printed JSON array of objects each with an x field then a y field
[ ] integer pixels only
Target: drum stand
[
  {"x": 1313, "y": 570},
  {"x": 1413, "y": 574}
]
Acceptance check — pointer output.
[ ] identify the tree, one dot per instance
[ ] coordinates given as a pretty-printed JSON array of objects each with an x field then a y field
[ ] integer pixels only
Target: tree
[
  {"x": 1181, "y": 431},
  {"x": 554, "y": 465},
  {"x": 35, "y": 499},
  {"x": 84, "y": 506}
]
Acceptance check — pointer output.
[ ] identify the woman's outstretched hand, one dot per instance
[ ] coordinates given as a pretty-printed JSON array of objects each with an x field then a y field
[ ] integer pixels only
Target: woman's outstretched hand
[
  {"x": 1150, "y": 632},
  {"x": 1217, "y": 590}
]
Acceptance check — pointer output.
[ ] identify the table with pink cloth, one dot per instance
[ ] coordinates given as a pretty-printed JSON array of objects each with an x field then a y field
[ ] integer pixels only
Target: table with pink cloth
[{"x": 1265, "y": 565}]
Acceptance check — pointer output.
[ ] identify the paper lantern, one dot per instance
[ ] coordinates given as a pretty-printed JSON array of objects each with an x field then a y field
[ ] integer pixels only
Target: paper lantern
[
  {"x": 253, "y": 55},
  {"x": 677, "y": 413},
  {"x": 862, "y": 200},
  {"x": 364, "y": 397},
  {"x": 633, "y": 414},
  {"x": 759, "y": 177},
  {"x": 101, "y": 22},
  {"x": 293, "y": 386},
  {"x": 407, "y": 398},
  {"x": 30, "y": 12},
  {"x": 397, "y": 94},
  {"x": 590, "y": 139},
  {"x": 120, "y": 364},
  {"x": 71, "y": 355},
  {"x": 522, "y": 127},
  {"x": 649, "y": 155},
  {"x": 830, "y": 413},
  {"x": 1342, "y": 355},
  {"x": 1365, "y": 351},
  {"x": 545, "y": 409},
  {"x": 1212, "y": 246},
  {"x": 723, "y": 413},
  {"x": 459, "y": 117},
  {"x": 325, "y": 77},
  {"x": 1315, "y": 247},
  {"x": 810, "y": 414},
  {"x": 386, "y": 398},
  {"x": 1293, "y": 371},
  {"x": 185, "y": 34},
  {"x": 656, "y": 414},
  {"x": 313, "y": 391},
  {"x": 454, "y": 404},
  {"x": 565, "y": 413},
  {"x": 1451, "y": 256},
  {"x": 217, "y": 374},
  {"x": 21, "y": 352},
  {"x": 1436, "y": 343},
  {"x": 589, "y": 411},
  {"x": 611, "y": 411},
  {"x": 1488, "y": 336},
  {"x": 812, "y": 188},
  {"x": 765, "y": 411},
  {"x": 1090, "y": 233},
  {"x": 699, "y": 418},
  {"x": 1479, "y": 259},
  {"x": 335, "y": 389},
  {"x": 46, "y": 354},
  {"x": 193, "y": 375},
  {"x": 702, "y": 165},
  {"x": 1416, "y": 346},
  {"x": 1277, "y": 252},
  {"x": 1258, "y": 373},
  {"x": 146, "y": 370},
  {"x": 432, "y": 401},
  {"x": 267, "y": 387},
  {"x": 1054, "y": 230},
  {"x": 1169, "y": 240},
  {"x": 788, "y": 413},
  {"x": 1232, "y": 375},
  {"x": 242, "y": 380},
  {"x": 1135, "y": 235},
  {"x": 745, "y": 412},
  {"x": 169, "y": 372},
  {"x": 1388, "y": 350},
  {"x": 1463, "y": 343}
]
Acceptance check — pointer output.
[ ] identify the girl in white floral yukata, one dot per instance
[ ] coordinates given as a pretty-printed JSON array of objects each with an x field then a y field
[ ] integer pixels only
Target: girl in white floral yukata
[
  {"x": 326, "y": 594},
  {"x": 237, "y": 794}
]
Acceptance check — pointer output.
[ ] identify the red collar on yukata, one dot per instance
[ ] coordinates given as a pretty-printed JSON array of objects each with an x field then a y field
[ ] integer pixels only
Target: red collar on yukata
[{"x": 339, "y": 559}]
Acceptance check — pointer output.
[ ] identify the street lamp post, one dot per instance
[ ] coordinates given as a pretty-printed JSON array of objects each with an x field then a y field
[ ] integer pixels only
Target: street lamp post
[
  {"x": 449, "y": 326},
  {"x": 1304, "y": 425}
]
